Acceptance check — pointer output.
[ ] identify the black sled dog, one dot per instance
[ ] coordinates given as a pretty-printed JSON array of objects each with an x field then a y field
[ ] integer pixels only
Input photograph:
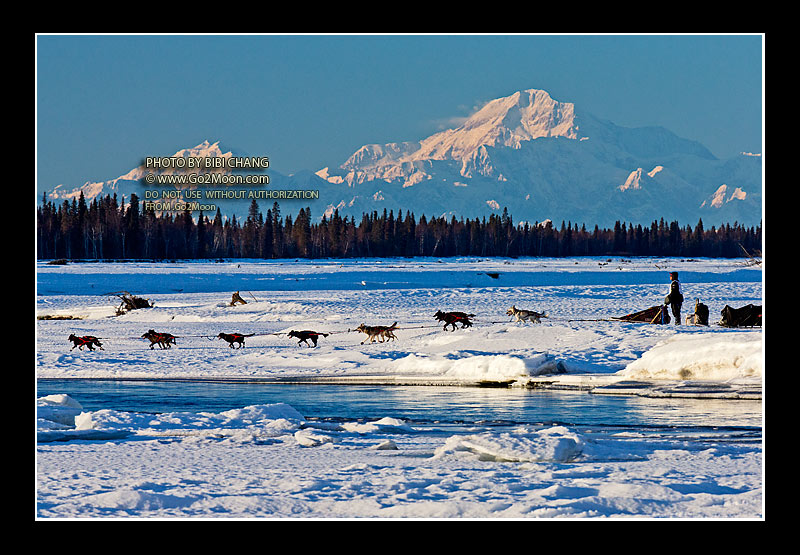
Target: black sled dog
[
  {"x": 232, "y": 338},
  {"x": 305, "y": 335},
  {"x": 89, "y": 341},
  {"x": 451, "y": 318}
]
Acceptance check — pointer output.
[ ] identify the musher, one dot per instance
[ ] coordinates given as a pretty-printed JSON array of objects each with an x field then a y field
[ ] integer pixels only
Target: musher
[{"x": 674, "y": 298}]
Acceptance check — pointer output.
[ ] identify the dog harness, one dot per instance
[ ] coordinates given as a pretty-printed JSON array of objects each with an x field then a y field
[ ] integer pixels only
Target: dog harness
[
  {"x": 87, "y": 340},
  {"x": 454, "y": 315},
  {"x": 450, "y": 315}
]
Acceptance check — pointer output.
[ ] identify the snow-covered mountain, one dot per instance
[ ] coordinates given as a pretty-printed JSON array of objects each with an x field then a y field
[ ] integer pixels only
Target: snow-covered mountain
[
  {"x": 545, "y": 159},
  {"x": 540, "y": 158},
  {"x": 132, "y": 182}
]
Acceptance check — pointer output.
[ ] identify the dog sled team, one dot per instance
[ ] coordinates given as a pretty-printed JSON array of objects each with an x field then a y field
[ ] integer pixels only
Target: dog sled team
[{"x": 746, "y": 316}]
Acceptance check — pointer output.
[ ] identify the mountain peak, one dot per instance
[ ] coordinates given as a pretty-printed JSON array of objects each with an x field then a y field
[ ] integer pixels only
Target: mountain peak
[
  {"x": 204, "y": 149},
  {"x": 502, "y": 122},
  {"x": 507, "y": 121}
]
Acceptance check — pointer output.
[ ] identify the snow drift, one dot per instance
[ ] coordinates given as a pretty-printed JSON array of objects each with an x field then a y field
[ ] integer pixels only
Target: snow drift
[{"x": 718, "y": 357}]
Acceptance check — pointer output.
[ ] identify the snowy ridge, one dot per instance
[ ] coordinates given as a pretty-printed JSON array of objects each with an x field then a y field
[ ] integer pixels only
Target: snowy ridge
[{"x": 721, "y": 197}]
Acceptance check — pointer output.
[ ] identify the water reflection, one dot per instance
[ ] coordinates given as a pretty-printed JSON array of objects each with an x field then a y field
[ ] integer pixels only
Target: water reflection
[{"x": 413, "y": 403}]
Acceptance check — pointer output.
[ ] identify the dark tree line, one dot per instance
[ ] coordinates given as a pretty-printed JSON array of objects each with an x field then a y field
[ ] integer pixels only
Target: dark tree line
[{"x": 107, "y": 229}]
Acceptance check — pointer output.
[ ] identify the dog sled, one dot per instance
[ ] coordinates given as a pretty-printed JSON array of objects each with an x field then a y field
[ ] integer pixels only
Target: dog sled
[
  {"x": 130, "y": 302},
  {"x": 652, "y": 315},
  {"x": 745, "y": 317}
]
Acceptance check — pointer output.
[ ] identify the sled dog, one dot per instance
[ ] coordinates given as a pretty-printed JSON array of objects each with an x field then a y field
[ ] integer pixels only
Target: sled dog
[
  {"x": 451, "y": 318},
  {"x": 87, "y": 340},
  {"x": 163, "y": 340},
  {"x": 305, "y": 335},
  {"x": 525, "y": 315},
  {"x": 382, "y": 332},
  {"x": 232, "y": 338}
]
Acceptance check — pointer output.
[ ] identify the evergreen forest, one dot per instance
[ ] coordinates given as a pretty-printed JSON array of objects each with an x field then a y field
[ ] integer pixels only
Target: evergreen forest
[{"x": 105, "y": 229}]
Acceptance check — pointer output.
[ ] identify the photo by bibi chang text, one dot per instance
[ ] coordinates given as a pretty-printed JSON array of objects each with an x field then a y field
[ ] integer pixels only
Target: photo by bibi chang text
[{"x": 205, "y": 162}]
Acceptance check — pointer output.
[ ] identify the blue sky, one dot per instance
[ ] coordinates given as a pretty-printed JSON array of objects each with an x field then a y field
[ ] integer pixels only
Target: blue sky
[{"x": 308, "y": 101}]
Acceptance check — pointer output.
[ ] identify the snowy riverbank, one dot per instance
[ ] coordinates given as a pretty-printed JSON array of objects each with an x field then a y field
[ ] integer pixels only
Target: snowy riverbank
[
  {"x": 191, "y": 301},
  {"x": 270, "y": 461}
]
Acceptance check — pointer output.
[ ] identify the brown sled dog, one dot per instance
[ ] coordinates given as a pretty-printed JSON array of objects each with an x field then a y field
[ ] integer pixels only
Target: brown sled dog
[
  {"x": 305, "y": 335},
  {"x": 382, "y": 332},
  {"x": 163, "y": 340},
  {"x": 232, "y": 338},
  {"x": 451, "y": 318},
  {"x": 87, "y": 340}
]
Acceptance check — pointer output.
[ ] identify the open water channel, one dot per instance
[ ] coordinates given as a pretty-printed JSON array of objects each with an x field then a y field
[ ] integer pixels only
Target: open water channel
[{"x": 455, "y": 407}]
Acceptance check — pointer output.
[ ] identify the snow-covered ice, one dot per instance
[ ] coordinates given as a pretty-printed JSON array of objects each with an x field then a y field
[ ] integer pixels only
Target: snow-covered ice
[{"x": 271, "y": 461}]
